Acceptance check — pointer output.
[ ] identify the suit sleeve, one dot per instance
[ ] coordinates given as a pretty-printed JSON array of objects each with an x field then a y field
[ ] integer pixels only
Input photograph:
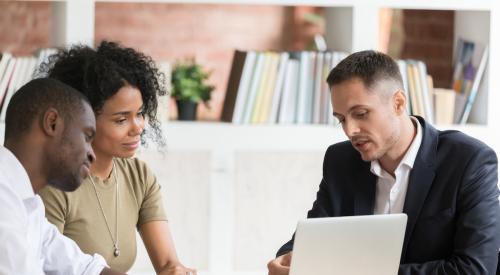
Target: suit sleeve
[
  {"x": 477, "y": 235},
  {"x": 321, "y": 206}
]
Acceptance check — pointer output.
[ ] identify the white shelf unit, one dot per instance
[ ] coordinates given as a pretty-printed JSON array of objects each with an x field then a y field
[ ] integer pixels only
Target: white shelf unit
[
  {"x": 211, "y": 201},
  {"x": 351, "y": 26}
]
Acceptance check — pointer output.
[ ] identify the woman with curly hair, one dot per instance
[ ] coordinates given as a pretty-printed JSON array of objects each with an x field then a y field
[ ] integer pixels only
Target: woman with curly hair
[{"x": 121, "y": 194}]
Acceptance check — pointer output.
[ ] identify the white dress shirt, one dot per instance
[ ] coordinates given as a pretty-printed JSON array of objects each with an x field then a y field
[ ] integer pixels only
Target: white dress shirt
[
  {"x": 29, "y": 244},
  {"x": 391, "y": 191}
]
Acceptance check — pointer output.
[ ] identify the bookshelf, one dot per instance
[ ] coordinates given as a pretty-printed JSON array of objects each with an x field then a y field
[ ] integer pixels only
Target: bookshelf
[
  {"x": 351, "y": 26},
  {"x": 206, "y": 206}
]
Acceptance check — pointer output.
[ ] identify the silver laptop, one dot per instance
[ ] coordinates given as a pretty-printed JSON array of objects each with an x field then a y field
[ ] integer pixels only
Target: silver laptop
[{"x": 355, "y": 245}]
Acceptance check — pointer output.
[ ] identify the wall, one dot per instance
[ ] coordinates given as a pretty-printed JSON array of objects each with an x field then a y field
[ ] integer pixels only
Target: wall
[
  {"x": 25, "y": 26},
  {"x": 210, "y": 33},
  {"x": 428, "y": 36}
]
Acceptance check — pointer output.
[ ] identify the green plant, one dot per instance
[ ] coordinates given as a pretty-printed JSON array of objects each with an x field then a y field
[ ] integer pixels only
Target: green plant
[{"x": 189, "y": 82}]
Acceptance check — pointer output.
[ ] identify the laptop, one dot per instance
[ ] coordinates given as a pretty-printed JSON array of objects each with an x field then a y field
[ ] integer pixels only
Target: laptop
[{"x": 354, "y": 245}]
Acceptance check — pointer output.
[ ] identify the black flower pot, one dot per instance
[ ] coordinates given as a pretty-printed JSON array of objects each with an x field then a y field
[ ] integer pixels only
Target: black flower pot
[{"x": 186, "y": 110}]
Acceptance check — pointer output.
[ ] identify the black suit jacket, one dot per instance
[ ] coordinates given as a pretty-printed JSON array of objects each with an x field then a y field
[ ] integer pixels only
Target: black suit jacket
[{"x": 451, "y": 202}]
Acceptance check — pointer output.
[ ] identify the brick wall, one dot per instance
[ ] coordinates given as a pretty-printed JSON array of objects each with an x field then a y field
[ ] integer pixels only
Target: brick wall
[
  {"x": 210, "y": 33},
  {"x": 428, "y": 36},
  {"x": 25, "y": 26}
]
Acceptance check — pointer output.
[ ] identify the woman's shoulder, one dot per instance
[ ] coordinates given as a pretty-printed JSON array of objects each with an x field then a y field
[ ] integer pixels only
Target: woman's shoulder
[
  {"x": 52, "y": 193},
  {"x": 130, "y": 163},
  {"x": 134, "y": 167}
]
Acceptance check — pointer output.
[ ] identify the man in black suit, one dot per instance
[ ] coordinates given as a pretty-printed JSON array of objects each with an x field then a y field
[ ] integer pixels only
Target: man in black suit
[{"x": 445, "y": 181}]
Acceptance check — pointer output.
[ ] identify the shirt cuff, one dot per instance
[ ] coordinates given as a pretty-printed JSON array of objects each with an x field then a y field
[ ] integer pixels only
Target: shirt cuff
[{"x": 97, "y": 264}]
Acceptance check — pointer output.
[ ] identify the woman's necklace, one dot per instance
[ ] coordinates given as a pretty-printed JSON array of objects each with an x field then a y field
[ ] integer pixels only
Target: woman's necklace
[{"x": 116, "y": 251}]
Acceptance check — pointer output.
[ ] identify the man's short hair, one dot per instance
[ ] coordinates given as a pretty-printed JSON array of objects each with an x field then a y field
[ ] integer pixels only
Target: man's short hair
[
  {"x": 369, "y": 66},
  {"x": 34, "y": 98}
]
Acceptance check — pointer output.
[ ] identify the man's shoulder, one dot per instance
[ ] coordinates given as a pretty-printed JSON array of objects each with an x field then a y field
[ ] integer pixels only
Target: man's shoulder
[
  {"x": 342, "y": 152},
  {"x": 12, "y": 208},
  {"x": 344, "y": 148},
  {"x": 460, "y": 143}
]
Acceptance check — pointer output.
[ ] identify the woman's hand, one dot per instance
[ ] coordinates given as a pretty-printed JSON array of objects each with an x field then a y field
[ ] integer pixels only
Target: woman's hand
[{"x": 177, "y": 269}]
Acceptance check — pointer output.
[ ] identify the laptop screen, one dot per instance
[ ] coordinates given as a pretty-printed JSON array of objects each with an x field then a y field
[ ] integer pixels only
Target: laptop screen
[{"x": 349, "y": 245}]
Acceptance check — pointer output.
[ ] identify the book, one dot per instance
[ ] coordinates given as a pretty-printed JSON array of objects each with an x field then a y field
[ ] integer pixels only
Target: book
[
  {"x": 4, "y": 63},
  {"x": 336, "y": 58},
  {"x": 233, "y": 84},
  {"x": 404, "y": 76},
  {"x": 311, "y": 86},
  {"x": 269, "y": 89},
  {"x": 278, "y": 88},
  {"x": 470, "y": 95},
  {"x": 29, "y": 71},
  {"x": 463, "y": 72},
  {"x": 444, "y": 106},
  {"x": 287, "y": 109},
  {"x": 414, "y": 89},
  {"x": 318, "y": 87},
  {"x": 304, "y": 87},
  {"x": 244, "y": 86},
  {"x": 469, "y": 66},
  {"x": 263, "y": 85},
  {"x": 425, "y": 91},
  {"x": 325, "y": 90},
  {"x": 6, "y": 79},
  {"x": 255, "y": 83},
  {"x": 15, "y": 79}
]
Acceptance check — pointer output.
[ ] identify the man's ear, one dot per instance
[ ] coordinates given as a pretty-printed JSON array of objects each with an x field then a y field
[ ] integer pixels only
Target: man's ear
[
  {"x": 399, "y": 102},
  {"x": 52, "y": 122}
]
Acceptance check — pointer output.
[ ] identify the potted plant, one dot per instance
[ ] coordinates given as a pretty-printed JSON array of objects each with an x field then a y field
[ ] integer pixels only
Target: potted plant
[{"x": 189, "y": 88}]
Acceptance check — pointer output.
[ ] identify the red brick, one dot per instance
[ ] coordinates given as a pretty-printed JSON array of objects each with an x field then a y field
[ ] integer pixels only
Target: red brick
[
  {"x": 25, "y": 26},
  {"x": 428, "y": 36},
  {"x": 208, "y": 32},
  {"x": 211, "y": 33}
]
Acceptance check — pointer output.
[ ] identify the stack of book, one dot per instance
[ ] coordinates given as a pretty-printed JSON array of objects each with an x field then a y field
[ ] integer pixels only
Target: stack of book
[
  {"x": 469, "y": 66},
  {"x": 290, "y": 87},
  {"x": 418, "y": 87},
  {"x": 453, "y": 105},
  {"x": 280, "y": 87},
  {"x": 15, "y": 72}
]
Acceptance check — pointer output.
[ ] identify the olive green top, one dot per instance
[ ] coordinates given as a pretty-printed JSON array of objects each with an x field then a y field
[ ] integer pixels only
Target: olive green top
[{"x": 78, "y": 215}]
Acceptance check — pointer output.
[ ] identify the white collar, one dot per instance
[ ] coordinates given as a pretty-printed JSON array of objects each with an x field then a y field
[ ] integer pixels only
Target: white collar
[{"x": 409, "y": 157}]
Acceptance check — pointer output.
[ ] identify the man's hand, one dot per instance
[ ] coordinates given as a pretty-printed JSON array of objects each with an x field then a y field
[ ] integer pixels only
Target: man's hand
[
  {"x": 177, "y": 269},
  {"x": 280, "y": 265},
  {"x": 108, "y": 271}
]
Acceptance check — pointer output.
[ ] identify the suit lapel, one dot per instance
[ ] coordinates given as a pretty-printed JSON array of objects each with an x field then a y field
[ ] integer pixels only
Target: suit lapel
[
  {"x": 420, "y": 181},
  {"x": 419, "y": 185},
  {"x": 364, "y": 196}
]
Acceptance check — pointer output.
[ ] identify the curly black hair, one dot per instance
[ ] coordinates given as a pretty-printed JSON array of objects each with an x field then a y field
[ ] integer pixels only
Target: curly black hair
[{"x": 99, "y": 74}]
